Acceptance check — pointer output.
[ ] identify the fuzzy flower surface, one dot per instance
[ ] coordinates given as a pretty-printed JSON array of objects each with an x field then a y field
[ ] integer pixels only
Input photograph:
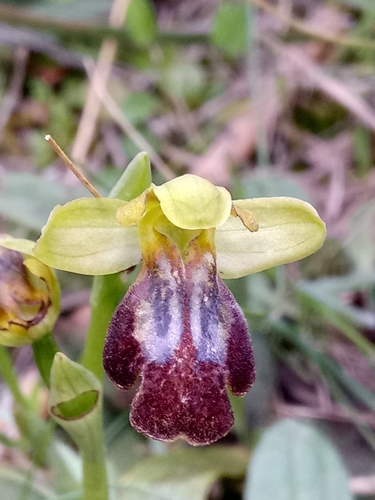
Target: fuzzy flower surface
[
  {"x": 179, "y": 326},
  {"x": 29, "y": 295}
]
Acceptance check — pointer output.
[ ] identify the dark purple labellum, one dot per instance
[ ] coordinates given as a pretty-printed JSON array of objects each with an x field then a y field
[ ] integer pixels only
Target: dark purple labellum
[{"x": 181, "y": 328}]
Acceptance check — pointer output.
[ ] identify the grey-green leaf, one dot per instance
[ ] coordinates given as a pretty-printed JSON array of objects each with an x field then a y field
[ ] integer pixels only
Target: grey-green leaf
[
  {"x": 294, "y": 461},
  {"x": 183, "y": 474}
]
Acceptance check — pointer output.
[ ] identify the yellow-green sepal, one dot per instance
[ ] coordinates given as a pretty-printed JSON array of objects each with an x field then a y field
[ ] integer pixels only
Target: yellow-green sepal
[
  {"x": 190, "y": 202},
  {"x": 289, "y": 230},
  {"x": 85, "y": 237}
]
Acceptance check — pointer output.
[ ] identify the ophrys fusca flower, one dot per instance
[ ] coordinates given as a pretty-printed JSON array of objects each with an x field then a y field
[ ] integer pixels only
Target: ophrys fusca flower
[{"x": 179, "y": 326}]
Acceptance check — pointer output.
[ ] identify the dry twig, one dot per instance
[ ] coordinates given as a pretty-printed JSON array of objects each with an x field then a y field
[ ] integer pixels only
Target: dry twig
[{"x": 72, "y": 167}]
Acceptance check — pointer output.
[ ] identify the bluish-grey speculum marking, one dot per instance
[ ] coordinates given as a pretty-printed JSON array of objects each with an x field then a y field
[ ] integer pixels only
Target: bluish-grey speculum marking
[
  {"x": 160, "y": 296},
  {"x": 164, "y": 318},
  {"x": 209, "y": 317}
]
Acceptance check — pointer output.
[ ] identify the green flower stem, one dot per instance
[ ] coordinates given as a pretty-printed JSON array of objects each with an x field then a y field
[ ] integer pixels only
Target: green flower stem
[
  {"x": 95, "y": 486},
  {"x": 92, "y": 450},
  {"x": 107, "y": 291},
  {"x": 44, "y": 350},
  {"x": 10, "y": 377}
]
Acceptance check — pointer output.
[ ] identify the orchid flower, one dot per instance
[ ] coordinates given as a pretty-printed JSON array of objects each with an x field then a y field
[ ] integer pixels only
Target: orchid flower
[{"x": 179, "y": 326}]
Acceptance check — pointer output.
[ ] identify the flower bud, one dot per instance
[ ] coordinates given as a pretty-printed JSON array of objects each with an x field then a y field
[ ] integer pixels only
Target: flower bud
[{"x": 29, "y": 297}]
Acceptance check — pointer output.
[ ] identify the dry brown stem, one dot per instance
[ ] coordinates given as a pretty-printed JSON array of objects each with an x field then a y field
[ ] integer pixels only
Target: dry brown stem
[{"x": 68, "y": 162}]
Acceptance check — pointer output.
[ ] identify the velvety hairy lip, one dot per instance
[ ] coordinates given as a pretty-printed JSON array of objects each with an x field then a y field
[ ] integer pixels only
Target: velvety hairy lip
[
  {"x": 183, "y": 397},
  {"x": 181, "y": 328}
]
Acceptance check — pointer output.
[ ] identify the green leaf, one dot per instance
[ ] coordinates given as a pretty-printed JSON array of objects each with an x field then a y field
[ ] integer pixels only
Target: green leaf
[
  {"x": 229, "y": 31},
  {"x": 141, "y": 21},
  {"x": 84, "y": 237},
  {"x": 289, "y": 230},
  {"x": 294, "y": 461},
  {"x": 183, "y": 474}
]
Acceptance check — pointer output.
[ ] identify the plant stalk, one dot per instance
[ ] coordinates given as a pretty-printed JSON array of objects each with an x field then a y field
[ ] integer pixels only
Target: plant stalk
[{"x": 10, "y": 377}]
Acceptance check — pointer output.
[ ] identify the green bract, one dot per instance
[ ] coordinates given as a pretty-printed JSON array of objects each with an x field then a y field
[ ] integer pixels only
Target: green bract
[
  {"x": 75, "y": 402},
  {"x": 100, "y": 236}
]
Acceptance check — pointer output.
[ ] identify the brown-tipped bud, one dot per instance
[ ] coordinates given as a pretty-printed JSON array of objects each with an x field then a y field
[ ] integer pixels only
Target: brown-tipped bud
[{"x": 29, "y": 297}]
